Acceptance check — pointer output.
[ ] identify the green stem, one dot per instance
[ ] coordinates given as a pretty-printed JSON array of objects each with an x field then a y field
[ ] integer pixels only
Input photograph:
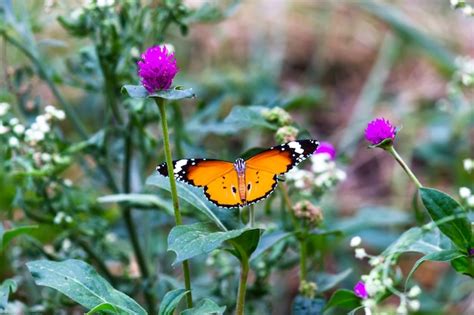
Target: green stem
[
  {"x": 302, "y": 260},
  {"x": 251, "y": 216},
  {"x": 242, "y": 286},
  {"x": 405, "y": 167},
  {"x": 174, "y": 192}
]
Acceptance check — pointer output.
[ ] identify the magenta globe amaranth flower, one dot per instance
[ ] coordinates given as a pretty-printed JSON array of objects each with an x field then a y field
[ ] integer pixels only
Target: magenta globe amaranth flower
[
  {"x": 157, "y": 69},
  {"x": 326, "y": 148},
  {"x": 360, "y": 290},
  {"x": 378, "y": 130}
]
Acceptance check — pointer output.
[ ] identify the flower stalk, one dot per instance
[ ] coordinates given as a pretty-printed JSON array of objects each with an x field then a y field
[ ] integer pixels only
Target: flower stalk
[
  {"x": 405, "y": 167},
  {"x": 303, "y": 255},
  {"x": 174, "y": 192}
]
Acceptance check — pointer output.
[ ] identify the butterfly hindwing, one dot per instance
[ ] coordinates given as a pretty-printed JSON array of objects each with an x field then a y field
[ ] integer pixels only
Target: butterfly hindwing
[
  {"x": 223, "y": 191},
  {"x": 197, "y": 172},
  {"x": 280, "y": 159},
  {"x": 259, "y": 184}
]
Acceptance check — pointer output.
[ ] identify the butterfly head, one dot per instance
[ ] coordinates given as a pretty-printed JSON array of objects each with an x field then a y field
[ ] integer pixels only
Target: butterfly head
[{"x": 239, "y": 166}]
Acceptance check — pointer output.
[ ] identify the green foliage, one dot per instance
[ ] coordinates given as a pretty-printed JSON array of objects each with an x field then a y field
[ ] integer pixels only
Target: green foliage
[
  {"x": 171, "y": 301},
  {"x": 205, "y": 307},
  {"x": 81, "y": 283},
  {"x": 8, "y": 235},
  {"x": 138, "y": 91},
  {"x": 343, "y": 299},
  {"x": 7, "y": 287}
]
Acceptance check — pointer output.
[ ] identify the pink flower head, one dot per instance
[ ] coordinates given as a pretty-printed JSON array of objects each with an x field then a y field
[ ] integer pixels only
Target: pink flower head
[
  {"x": 326, "y": 148},
  {"x": 157, "y": 69},
  {"x": 378, "y": 130},
  {"x": 360, "y": 291}
]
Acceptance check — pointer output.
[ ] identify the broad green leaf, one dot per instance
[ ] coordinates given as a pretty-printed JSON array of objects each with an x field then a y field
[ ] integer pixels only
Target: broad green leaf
[
  {"x": 171, "y": 301},
  {"x": 344, "y": 299},
  {"x": 6, "y": 288},
  {"x": 441, "y": 205},
  {"x": 444, "y": 255},
  {"x": 326, "y": 281},
  {"x": 8, "y": 235},
  {"x": 464, "y": 265},
  {"x": 139, "y": 200},
  {"x": 81, "y": 283},
  {"x": 188, "y": 241},
  {"x": 246, "y": 243},
  {"x": 104, "y": 307},
  {"x": 304, "y": 306},
  {"x": 422, "y": 240},
  {"x": 138, "y": 91},
  {"x": 191, "y": 195},
  {"x": 205, "y": 307},
  {"x": 267, "y": 241}
]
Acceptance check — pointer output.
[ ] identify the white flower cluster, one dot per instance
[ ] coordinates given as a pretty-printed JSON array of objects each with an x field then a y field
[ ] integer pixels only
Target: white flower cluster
[
  {"x": 99, "y": 3},
  {"x": 466, "y": 194},
  {"x": 468, "y": 165},
  {"x": 377, "y": 283},
  {"x": 465, "y": 70},
  {"x": 465, "y": 8},
  {"x": 62, "y": 217},
  {"x": 324, "y": 174}
]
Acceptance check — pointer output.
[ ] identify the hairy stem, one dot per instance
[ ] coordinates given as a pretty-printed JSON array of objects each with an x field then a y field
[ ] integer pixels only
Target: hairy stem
[
  {"x": 302, "y": 260},
  {"x": 251, "y": 216},
  {"x": 405, "y": 167},
  {"x": 174, "y": 192}
]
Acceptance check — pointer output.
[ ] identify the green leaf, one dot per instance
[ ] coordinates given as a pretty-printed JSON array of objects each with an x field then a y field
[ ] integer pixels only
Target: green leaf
[
  {"x": 246, "y": 243},
  {"x": 6, "y": 288},
  {"x": 104, "y": 307},
  {"x": 188, "y": 241},
  {"x": 326, "y": 281},
  {"x": 8, "y": 235},
  {"x": 191, "y": 195},
  {"x": 444, "y": 255},
  {"x": 440, "y": 206},
  {"x": 81, "y": 283},
  {"x": 138, "y": 200},
  {"x": 171, "y": 301},
  {"x": 267, "y": 241},
  {"x": 344, "y": 299},
  {"x": 205, "y": 307},
  {"x": 464, "y": 265},
  {"x": 138, "y": 91},
  {"x": 422, "y": 240}
]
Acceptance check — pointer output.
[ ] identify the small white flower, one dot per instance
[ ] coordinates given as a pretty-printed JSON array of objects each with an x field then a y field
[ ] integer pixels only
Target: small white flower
[
  {"x": 360, "y": 253},
  {"x": 60, "y": 114},
  {"x": 4, "y": 108},
  {"x": 321, "y": 163},
  {"x": 134, "y": 52},
  {"x": 45, "y": 157},
  {"x": 414, "y": 305},
  {"x": 14, "y": 121},
  {"x": 467, "y": 10},
  {"x": 388, "y": 282},
  {"x": 19, "y": 129},
  {"x": 68, "y": 219},
  {"x": 470, "y": 201},
  {"x": 414, "y": 291},
  {"x": 454, "y": 2},
  {"x": 168, "y": 47},
  {"x": 13, "y": 142},
  {"x": 402, "y": 309},
  {"x": 66, "y": 244},
  {"x": 340, "y": 175},
  {"x": 375, "y": 261},
  {"x": 464, "y": 192},
  {"x": 3, "y": 129},
  {"x": 468, "y": 165},
  {"x": 355, "y": 241},
  {"x": 67, "y": 182},
  {"x": 59, "y": 217},
  {"x": 368, "y": 303}
]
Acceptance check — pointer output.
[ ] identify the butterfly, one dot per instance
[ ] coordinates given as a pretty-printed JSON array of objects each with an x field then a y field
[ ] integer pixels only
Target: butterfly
[{"x": 243, "y": 182}]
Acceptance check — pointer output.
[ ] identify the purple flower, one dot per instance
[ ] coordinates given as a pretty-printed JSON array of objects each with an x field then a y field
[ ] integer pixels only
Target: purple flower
[
  {"x": 157, "y": 69},
  {"x": 326, "y": 147},
  {"x": 378, "y": 130},
  {"x": 471, "y": 251},
  {"x": 360, "y": 291}
]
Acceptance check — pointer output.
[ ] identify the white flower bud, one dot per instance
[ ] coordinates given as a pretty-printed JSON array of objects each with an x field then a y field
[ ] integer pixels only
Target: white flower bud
[
  {"x": 464, "y": 192},
  {"x": 3, "y": 129},
  {"x": 355, "y": 241},
  {"x": 414, "y": 291},
  {"x": 4, "y": 108},
  {"x": 360, "y": 253},
  {"x": 19, "y": 129},
  {"x": 13, "y": 142},
  {"x": 13, "y": 121},
  {"x": 414, "y": 305},
  {"x": 470, "y": 201},
  {"x": 468, "y": 165}
]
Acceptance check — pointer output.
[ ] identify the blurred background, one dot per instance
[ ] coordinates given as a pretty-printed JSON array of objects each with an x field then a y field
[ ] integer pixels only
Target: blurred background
[{"x": 333, "y": 65}]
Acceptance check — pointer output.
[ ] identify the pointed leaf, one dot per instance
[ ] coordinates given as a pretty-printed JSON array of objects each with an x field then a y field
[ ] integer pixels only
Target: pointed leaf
[
  {"x": 440, "y": 206},
  {"x": 344, "y": 299},
  {"x": 188, "y": 241},
  {"x": 8, "y": 235},
  {"x": 138, "y": 91},
  {"x": 81, "y": 283},
  {"x": 267, "y": 241},
  {"x": 205, "y": 307},
  {"x": 138, "y": 200},
  {"x": 6, "y": 288},
  {"x": 171, "y": 301},
  {"x": 103, "y": 307},
  {"x": 326, "y": 281}
]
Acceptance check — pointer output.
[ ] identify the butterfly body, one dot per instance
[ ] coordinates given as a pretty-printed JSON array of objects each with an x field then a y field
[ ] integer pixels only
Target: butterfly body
[{"x": 242, "y": 182}]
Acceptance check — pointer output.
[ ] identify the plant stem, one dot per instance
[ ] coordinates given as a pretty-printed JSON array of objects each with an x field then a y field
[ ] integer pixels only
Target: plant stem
[
  {"x": 405, "y": 167},
  {"x": 174, "y": 192},
  {"x": 251, "y": 216},
  {"x": 302, "y": 260},
  {"x": 242, "y": 286}
]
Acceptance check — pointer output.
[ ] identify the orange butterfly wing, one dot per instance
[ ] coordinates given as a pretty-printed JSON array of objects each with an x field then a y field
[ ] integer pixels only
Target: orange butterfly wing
[
  {"x": 218, "y": 178},
  {"x": 262, "y": 169}
]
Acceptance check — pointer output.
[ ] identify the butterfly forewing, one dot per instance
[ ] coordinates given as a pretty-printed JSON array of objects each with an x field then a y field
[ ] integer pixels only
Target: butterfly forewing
[{"x": 197, "y": 172}]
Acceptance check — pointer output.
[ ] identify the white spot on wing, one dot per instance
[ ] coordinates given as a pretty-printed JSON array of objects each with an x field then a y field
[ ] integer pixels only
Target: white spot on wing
[
  {"x": 296, "y": 147},
  {"x": 178, "y": 166}
]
